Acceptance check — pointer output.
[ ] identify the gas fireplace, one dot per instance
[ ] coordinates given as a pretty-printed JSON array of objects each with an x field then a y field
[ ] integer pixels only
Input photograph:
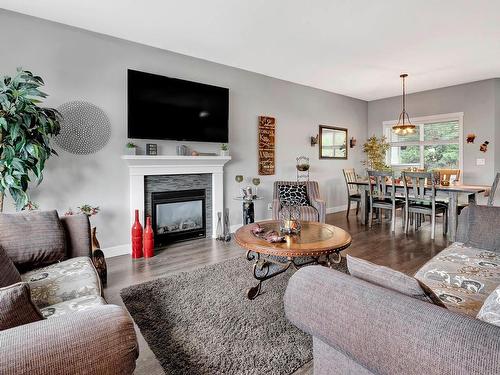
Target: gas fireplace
[{"x": 178, "y": 215}]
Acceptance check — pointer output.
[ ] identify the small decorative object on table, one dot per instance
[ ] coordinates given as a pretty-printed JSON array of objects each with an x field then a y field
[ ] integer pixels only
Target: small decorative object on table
[
  {"x": 302, "y": 167},
  {"x": 137, "y": 237},
  {"x": 131, "y": 148},
  {"x": 247, "y": 192},
  {"x": 151, "y": 149},
  {"x": 149, "y": 244},
  {"x": 182, "y": 150},
  {"x": 227, "y": 227},
  {"x": 290, "y": 219},
  {"x": 224, "y": 149},
  {"x": 256, "y": 182},
  {"x": 270, "y": 236},
  {"x": 219, "y": 236}
]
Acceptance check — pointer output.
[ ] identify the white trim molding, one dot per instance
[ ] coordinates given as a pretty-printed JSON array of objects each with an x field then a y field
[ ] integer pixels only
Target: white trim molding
[{"x": 140, "y": 166}]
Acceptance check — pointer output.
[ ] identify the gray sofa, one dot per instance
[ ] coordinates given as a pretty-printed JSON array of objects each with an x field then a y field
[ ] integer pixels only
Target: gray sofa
[
  {"x": 361, "y": 328},
  {"x": 77, "y": 331}
]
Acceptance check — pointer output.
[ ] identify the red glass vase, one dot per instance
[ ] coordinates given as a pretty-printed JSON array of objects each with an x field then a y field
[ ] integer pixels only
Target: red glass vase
[
  {"x": 137, "y": 237},
  {"x": 149, "y": 242}
]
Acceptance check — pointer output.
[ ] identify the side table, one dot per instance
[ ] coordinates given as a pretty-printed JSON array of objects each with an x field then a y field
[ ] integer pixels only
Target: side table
[{"x": 248, "y": 208}]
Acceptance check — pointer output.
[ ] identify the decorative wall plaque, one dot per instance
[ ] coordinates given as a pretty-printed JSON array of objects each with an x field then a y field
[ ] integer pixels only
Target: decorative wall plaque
[
  {"x": 85, "y": 128},
  {"x": 267, "y": 131}
]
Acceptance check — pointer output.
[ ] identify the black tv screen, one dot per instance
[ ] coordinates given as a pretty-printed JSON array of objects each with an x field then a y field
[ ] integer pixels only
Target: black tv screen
[{"x": 168, "y": 108}]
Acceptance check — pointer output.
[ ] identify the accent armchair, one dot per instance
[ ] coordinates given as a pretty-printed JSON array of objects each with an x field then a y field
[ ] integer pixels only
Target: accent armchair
[
  {"x": 63, "y": 325},
  {"x": 315, "y": 211}
]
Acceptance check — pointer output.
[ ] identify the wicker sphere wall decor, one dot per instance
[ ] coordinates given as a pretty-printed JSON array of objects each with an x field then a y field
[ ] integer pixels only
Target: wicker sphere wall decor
[{"x": 85, "y": 128}]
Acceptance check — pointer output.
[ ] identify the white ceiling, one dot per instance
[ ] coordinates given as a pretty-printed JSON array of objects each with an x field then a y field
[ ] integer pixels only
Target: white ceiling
[{"x": 352, "y": 47}]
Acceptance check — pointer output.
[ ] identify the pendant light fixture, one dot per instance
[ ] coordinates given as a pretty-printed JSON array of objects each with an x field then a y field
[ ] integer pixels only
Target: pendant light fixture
[{"x": 404, "y": 126}]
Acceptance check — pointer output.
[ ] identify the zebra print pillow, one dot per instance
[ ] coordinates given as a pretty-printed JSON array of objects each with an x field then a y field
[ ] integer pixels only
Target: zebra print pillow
[{"x": 294, "y": 195}]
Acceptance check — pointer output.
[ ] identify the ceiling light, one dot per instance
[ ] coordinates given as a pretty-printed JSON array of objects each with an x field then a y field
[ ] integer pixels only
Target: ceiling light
[{"x": 404, "y": 125}]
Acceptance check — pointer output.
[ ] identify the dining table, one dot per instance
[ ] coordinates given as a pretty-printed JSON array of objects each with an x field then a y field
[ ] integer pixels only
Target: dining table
[{"x": 452, "y": 192}]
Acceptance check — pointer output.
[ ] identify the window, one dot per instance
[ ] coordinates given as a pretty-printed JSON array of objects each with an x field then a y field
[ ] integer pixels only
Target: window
[{"x": 436, "y": 143}]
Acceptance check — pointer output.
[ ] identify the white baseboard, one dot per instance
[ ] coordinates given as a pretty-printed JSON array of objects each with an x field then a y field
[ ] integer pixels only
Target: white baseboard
[
  {"x": 332, "y": 210},
  {"x": 115, "y": 251}
]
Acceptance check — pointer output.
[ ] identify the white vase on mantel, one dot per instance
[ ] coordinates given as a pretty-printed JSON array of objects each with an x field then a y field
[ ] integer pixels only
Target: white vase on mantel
[
  {"x": 224, "y": 153},
  {"x": 131, "y": 151}
]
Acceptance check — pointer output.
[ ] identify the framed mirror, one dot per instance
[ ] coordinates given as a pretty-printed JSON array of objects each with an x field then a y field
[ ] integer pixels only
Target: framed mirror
[{"x": 332, "y": 142}]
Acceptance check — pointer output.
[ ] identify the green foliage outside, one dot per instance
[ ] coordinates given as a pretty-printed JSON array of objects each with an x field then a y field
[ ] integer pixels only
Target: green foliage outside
[
  {"x": 435, "y": 156},
  {"x": 25, "y": 135}
]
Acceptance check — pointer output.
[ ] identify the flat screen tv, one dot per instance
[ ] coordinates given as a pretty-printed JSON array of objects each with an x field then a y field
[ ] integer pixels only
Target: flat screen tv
[{"x": 168, "y": 108}]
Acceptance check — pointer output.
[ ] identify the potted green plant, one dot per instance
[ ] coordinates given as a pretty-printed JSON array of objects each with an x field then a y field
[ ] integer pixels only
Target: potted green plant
[
  {"x": 224, "y": 149},
  {"x": 375, "y": 150},
  {"x": 26, "y": 130},
  {"x": 131, "y": 148}
]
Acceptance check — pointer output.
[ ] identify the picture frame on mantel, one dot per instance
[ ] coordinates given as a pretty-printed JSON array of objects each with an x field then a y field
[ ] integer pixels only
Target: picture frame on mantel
[{"x": 333, "y": 142}]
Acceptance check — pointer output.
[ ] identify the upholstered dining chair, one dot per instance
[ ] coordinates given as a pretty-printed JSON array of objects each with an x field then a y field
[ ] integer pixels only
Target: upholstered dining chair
[
  {"x": 313, "y": 208},
  {"x": 420, "y": 199},
  {"x": 491, "y": 197},
  {"x": 353, "y": 194},
  {"x": 383, "y": 196},
  {"x": 448, "y": 174}
]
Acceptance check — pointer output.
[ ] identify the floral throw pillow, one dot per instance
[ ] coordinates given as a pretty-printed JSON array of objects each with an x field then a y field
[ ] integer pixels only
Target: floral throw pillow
[
  {"x": 490, "y": 312},
  {"x": 294, "y": 195}
]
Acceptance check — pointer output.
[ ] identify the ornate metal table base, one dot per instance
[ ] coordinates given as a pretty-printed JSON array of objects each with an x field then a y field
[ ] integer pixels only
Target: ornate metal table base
[{"x": 266, "y": 267}]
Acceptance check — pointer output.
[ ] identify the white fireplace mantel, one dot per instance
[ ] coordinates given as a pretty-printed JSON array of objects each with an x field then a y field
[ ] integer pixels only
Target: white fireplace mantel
[{"x": 146, "y": 165}]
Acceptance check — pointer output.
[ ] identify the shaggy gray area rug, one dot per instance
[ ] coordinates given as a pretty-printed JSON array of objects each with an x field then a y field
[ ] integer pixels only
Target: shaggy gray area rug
[{"x": 201, "y": 322}]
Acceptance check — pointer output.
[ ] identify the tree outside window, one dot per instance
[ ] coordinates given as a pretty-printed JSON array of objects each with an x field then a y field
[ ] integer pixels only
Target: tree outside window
[{"x": 434, "y": 145}]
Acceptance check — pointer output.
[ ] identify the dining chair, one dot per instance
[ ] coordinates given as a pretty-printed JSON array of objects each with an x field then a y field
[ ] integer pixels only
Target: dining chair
[
  {"x": 383, "y": 196},
  {"x": 353, "y": 194},
  {"x": 420, "y": 199},
  {"x": 448, "y": 174},
  {"x": 491, "y": 197}
]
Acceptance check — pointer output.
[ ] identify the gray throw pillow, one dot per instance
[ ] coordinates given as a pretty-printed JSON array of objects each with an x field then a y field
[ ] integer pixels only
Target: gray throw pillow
[
  {"x": 16, "y": 307},
  {"x": 8, "y": 272},
  {"x": 391, "y": 279},
  {"x": 484, "y": 224},
  {"x": 490, "y": 311},
  {"x": 32, "y": 239}
]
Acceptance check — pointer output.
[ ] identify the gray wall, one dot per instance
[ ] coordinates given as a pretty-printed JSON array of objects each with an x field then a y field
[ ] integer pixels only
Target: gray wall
[
  {"x": 80, "y": 65},
  {"x": 479, "y": 103}
]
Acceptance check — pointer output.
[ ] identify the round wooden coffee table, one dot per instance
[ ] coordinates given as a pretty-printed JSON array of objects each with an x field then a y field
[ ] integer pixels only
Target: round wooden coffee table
[{"x": 317, "y": 243}]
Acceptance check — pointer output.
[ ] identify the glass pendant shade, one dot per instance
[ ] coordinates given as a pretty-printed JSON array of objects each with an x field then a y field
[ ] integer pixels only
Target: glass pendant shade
[{"x": 404, "y": 125}]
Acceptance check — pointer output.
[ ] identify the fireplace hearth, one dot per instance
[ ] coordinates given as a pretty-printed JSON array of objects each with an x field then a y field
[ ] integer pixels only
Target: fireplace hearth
[{"x": 178, "y": 215}]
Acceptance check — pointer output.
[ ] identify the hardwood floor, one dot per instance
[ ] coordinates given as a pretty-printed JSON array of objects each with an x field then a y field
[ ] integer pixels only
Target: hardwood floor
[{"x": 405, "y": 253}]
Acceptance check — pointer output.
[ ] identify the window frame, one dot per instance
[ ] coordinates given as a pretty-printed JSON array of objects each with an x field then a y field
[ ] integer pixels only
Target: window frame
[{"x": 457, "y": 116}]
